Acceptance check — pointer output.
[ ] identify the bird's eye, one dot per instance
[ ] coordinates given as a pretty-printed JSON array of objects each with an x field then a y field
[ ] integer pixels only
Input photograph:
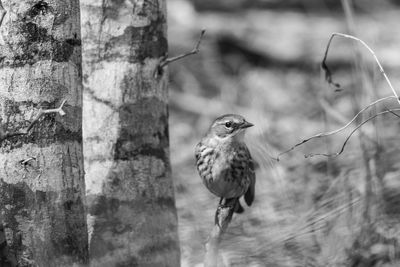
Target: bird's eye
[{"x": 228, "y": 124}]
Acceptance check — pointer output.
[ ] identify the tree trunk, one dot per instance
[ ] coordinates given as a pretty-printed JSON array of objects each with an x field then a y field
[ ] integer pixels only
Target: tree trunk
[
  {"x": 41, "y": 173},
  {"x": 132, "y": 216}
]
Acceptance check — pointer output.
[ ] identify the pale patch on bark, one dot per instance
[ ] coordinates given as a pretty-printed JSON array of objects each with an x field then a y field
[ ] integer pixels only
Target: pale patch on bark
[
  {"x": 96, "y": 173},
  {"x": 41, "y": 80},
  {"x": 119, "y": 23},
  {"x": 44, "y": 173},
  {"x": 15, "y": 8}
]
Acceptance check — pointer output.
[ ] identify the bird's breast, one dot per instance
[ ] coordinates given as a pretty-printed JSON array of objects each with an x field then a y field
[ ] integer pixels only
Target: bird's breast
[
  {"x": 205, "y": 160},
  {"x": 222, "y": 170}
]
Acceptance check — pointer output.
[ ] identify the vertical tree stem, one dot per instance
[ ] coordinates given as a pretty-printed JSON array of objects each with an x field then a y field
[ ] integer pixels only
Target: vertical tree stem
[
  {"x": 132, "y": 216},
  {"x": 42, "y": 199}
]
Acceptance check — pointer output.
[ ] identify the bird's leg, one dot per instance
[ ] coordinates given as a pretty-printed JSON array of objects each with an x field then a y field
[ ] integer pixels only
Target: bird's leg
[
  {"x": 228, "y": 202},
  {"x": 220, "y": 205},
  {"x": 224, "y": 212},
  {"x": 217, "y": 211}
]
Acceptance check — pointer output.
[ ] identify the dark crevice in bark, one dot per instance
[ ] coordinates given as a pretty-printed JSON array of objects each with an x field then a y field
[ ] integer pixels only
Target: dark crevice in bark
[
  {"x": 38, "y": 47},
  {"x": 40, "y": 8},
  {"x": 38, "y": 43},
  {"x": 139, "y": 42},
  {"x": 133, "y": 36},
  {"x": 49, "y": 129},
  {"x": 55, "y": 132},
  {"x": 163, "y": 246},
  {"x": 136, "y": 137},
  {"x": 123, "y": 151},
  {"x": 93, "y": 95},
  {"x": 19, "y": 201}
]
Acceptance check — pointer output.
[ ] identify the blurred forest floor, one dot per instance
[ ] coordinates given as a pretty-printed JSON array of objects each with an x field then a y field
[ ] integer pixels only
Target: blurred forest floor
[{"x": 261, "y": 59}]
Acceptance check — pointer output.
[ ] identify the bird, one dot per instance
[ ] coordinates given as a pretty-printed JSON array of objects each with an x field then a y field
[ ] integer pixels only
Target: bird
[{"x": 224, "y": 162}]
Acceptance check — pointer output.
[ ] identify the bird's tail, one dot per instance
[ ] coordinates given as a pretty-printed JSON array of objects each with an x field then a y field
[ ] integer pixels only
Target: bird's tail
[{"x": 238, "y": 207}]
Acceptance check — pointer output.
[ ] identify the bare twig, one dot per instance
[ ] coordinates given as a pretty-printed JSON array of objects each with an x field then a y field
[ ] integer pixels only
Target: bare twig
[
  {"x": 352, "y": 132},
  {"x": 328, "y": 75},
  {"x": 195, "y": 50},
  {"x": 334, "y": 131},
  {"x": 24, "y": 162},
  {"x": 59, "y": 110},
  {"x": 391, "y": 111}
]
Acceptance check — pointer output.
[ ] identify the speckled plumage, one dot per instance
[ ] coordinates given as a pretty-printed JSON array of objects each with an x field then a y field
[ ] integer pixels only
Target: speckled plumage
[{"x": 224, "y": 162}]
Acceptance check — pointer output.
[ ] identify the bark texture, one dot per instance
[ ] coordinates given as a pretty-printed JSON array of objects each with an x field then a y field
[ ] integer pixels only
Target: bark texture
[
  {"x": 42, "y": 200},
  {"x": 132, "y": 216}
]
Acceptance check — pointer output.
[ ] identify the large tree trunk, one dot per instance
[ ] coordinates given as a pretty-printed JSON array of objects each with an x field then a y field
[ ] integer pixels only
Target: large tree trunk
[
  {"x": 132, "y": 215},
  {"x": 42, "y": 199}
]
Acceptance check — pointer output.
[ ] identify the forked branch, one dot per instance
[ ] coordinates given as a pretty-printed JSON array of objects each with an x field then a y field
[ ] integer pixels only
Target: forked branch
[
  {"x": 59, "y": 110},
  {"x": 352, "y": 132},
  {"x": 325, "y": 134},
  {"x": 328, "y": 78},
  {"x": 195, "y": 50},
  {"x": 328, "y": 74}
]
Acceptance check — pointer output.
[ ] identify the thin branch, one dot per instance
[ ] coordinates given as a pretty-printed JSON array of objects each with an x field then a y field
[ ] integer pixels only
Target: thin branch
[
  {"x": 26, "y": 161},
  {"x": 391, "y": 111},
  {"x": 59, "y": 110},
  {"x": 319, "y": 135},
  {"x": 93, "y": 95},
  {"x": 352, "y": 132},
  {"x": 328, "y": 75},
  {"x": 195, "y": 50}
]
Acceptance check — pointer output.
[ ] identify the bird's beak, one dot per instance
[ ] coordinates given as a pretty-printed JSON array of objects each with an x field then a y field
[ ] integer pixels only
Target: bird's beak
[{"x": 246, "y": 124}]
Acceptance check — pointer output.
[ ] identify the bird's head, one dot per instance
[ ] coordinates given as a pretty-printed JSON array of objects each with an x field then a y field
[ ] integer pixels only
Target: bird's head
[{"x": 229, "y": 126}]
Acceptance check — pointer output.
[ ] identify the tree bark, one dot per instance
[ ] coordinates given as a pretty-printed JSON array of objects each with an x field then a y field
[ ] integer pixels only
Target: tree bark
[
  {"x": 132, "y": 215},
  {"x": 42, "y": 188}
]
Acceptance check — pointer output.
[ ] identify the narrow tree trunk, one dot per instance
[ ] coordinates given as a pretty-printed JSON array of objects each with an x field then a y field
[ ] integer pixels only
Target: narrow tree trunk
[
  {"x": 132, "y": 216},
  {"x": 41, "y": 173}
]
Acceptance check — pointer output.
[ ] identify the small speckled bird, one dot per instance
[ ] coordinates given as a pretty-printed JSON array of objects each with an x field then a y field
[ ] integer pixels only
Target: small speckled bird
[{"x": 224, "y": 162}]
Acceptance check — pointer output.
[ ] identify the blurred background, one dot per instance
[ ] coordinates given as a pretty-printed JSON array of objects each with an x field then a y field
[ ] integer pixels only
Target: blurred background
[{"x": 261, "y": 59}]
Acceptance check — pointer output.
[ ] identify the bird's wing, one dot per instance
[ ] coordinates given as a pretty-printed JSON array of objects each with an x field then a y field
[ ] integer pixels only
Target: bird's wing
[
  {"x": 197, "y": 150},
  {"x": 249, "y": 195}
]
